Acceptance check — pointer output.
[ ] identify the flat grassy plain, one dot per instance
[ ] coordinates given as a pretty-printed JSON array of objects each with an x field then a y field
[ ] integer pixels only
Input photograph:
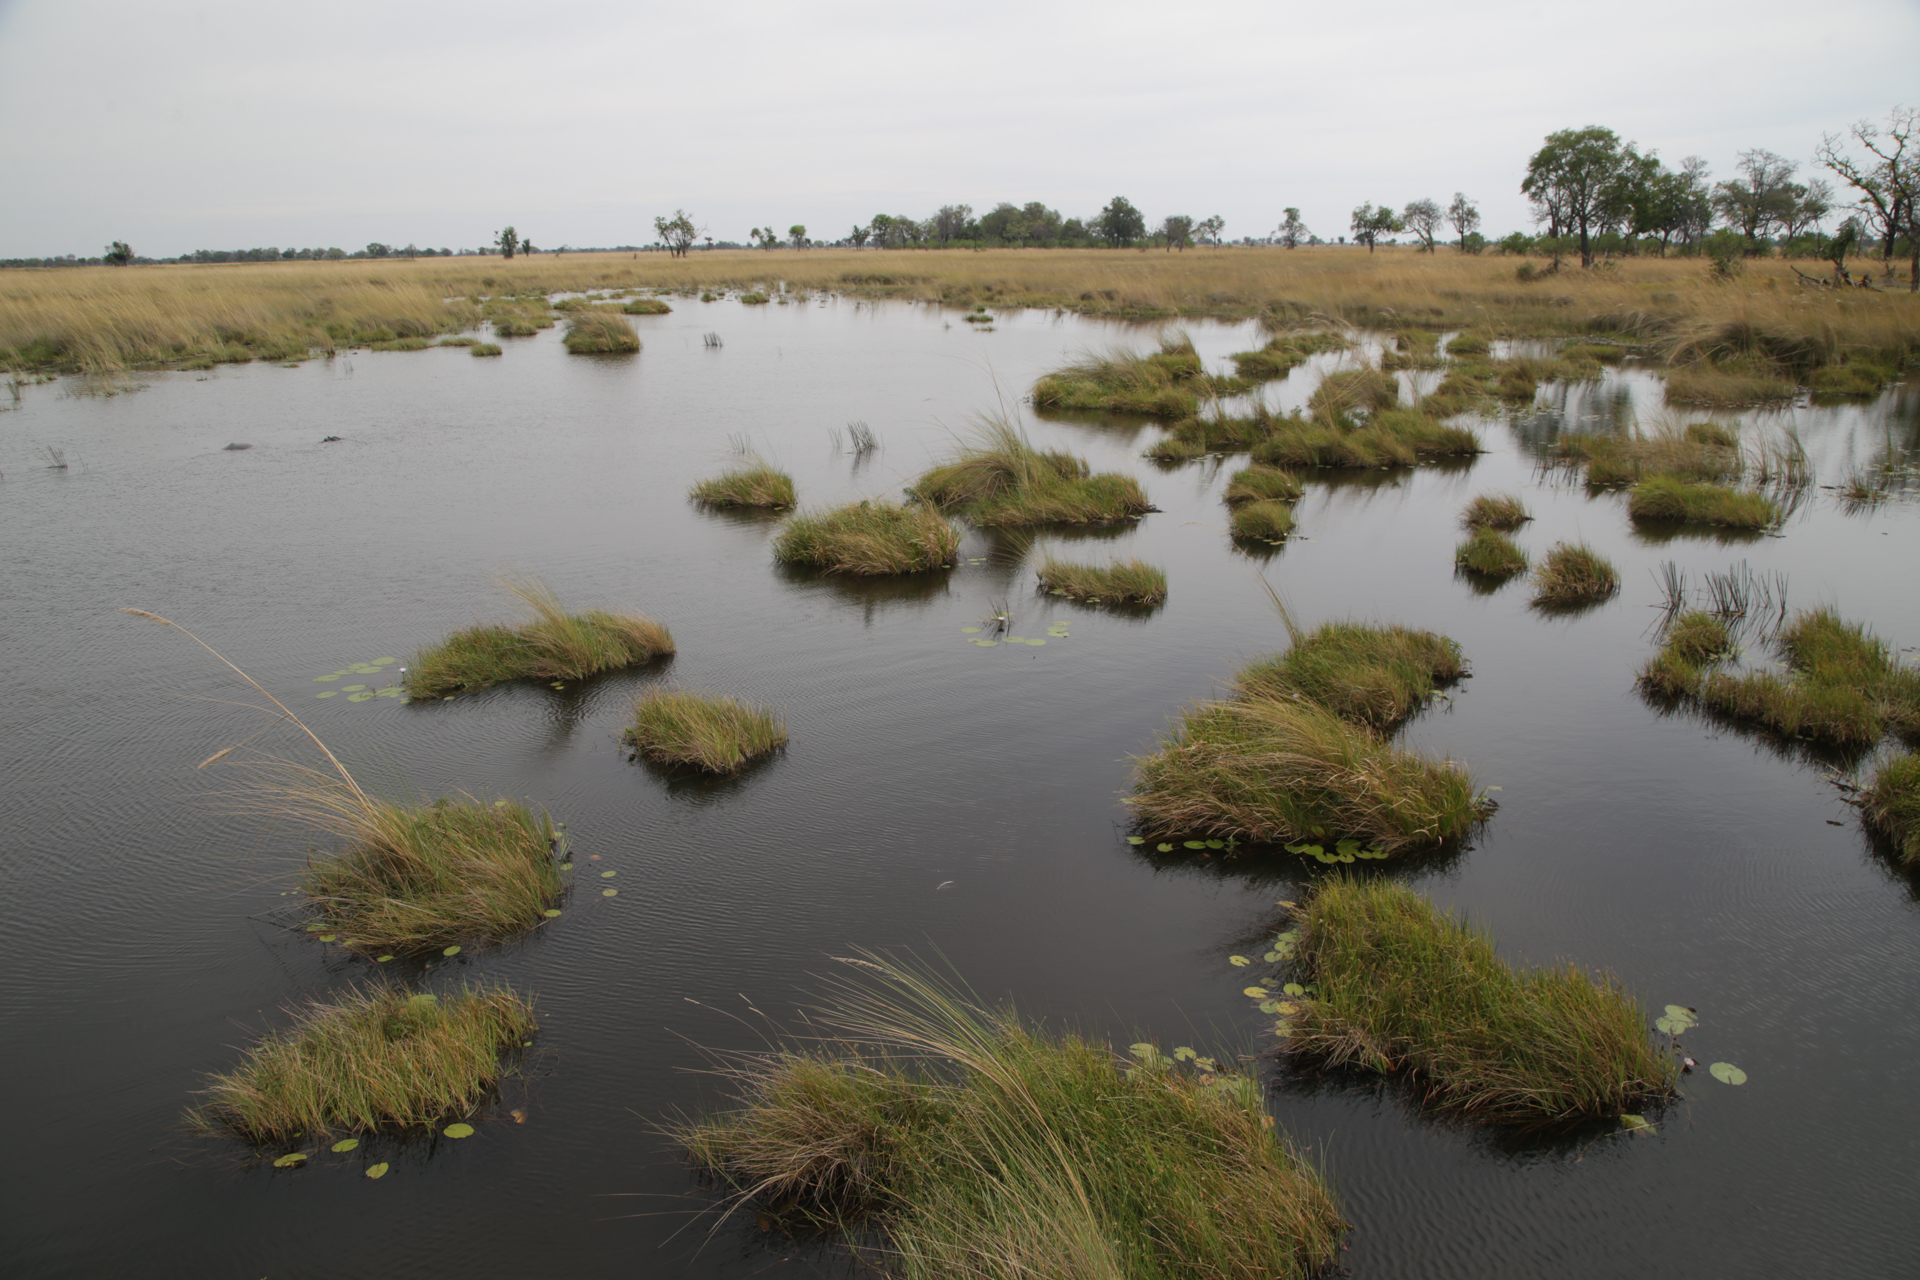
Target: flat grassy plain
[{"x": 105, "y": 319}]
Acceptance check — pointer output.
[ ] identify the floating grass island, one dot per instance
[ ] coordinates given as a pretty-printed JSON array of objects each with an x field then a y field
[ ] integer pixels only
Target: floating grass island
[
  {"x": 1372, "y": 674},
  {"x": 1166, "y": 384},
  {"x": 1572, "y": 576},
  {"x": 1504, "y": 512},
  {"x": 366, "y": 1061},
  {"x": 1671, "y": 500},
  {"x": 600, "y": 333},
  {"x": 1000, "y": 478},
  {"x": 1394, "y": 986},
  {"x": 961, "y": 1141},
  {"x": 413, "y": 877},
  {"x": 1490, "y": 554},
  {"x": 1261, "y": 484},
  {"x": 702, "y": 730},
  {"x": 1119, "y": 582},
  {"x": 551, "y": 644},
  {"x": 758, "y": 484},
  {"x": 870, "y": 539}
]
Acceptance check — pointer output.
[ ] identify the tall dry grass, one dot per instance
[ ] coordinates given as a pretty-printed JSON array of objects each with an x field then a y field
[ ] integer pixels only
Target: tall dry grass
[{"x": 107, "y": 318}]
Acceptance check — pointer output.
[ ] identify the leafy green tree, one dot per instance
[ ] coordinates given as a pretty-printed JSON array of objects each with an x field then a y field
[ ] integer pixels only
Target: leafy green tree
[
  {"x": 797, "y": 236},
  {"x": 1370, "y": 223},
  {"x": 1292, "y": 232},
  {"x": 677, "y": 233},
  {"x": 859, "y": 235},
  {"x": 1423, "y": 218},
  {"x": 509, "y": 241},
  {"x": 1574, "y": 182},
  {"x": 1120, "y": 224},
  {"x": 1177, "y": 230},
  {"x": 1208, "y": 230},
  {"x": 951, "y": 222},
  {"x": 1761, "y": 198},
  {"x": 1043, "y": 225},
  {"x": 118, "y": 254},
  {"x": 1464, "y": 214}
]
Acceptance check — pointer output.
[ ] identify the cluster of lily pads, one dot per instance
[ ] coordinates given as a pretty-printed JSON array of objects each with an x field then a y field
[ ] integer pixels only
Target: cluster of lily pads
[
  {"x": 362, "y": 692},
  {"x": 1346, "y": 850}
]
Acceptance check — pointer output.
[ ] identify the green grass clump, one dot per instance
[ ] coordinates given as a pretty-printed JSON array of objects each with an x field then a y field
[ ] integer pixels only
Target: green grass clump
[
  {"x": 1729, "y": 387},
  {"x": 1261, "y": 484},
  {"x": 517, "y": 327},
  {"x": 756, "y": 485},
  {"x": 1119, "y": 582},
  {"x": 1166, "y": 384},
  {"x": 1714, "y": 435},
  {"x": 600, "y": 333},
  {"x": 457, "y": 342},
  {"x": 755, "y": 299},
  {"x": 870, "y": 538},
  {"x": 1574, "y": 574},
  {"x": 1268, "y": 520},
  {"x": 1171, "y": 449},
  {"x": 484, "y": 349},
  {"x": 959, "y": 1141},
  {"x": 1346, "y": 390},
  {"x": 1664, "y": 498},
  {"x": 418, "y": 876},
  {"x": 1396, "y": 986},
  {"x": 1699, "y": 637},
  {"x": 1391, "y": 438},
  {"x": 646, "y": 307},
  {"x": 1276, "y": 770},
  {"x": 1891, "y": 805},
  {"x": 708, "y": 731},
  {"x": 1000, "y": 478},
  {"x": 369, "y": 1060},
  {"x": 1502, "y": 511},
  {"x": 1370, "y": 674},
  {"x": 550, "y": 644},
  {"x": 1284, "y": 353},
  {"x": 1490, "y": 554},
  {"x": 1469, "y": 344}
]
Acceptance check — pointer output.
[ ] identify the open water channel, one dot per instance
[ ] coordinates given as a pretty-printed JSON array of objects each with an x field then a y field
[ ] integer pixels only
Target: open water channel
[{"x": 938, "y": 798}]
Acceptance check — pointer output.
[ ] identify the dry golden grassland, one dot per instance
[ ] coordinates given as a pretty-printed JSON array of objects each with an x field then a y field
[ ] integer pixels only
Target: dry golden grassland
[{"x": 109, "y": 318}]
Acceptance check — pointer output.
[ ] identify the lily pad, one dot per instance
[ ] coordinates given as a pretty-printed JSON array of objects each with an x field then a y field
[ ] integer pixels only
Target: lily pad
[
  {"x": 1193, "y": 844},
  {"x": 1727, "y": 1073},
  {"x": 1257, "y": 993},
  {"x": 362, "y": 696},
  {"x": 608, "y": 875},
  {"x": 1183, "y": 1054},
  {"x": 349, "y": 688},
  {"x": 381, "y": 959},
  {"x": 1036, "y": 643},
  {"x": 1635, "y": 1124},
  {"x": 1136, "y": 839},
  {"x": 458, "y": 1131},
  {"x": 1216, "y": 844},
  {"x": 984, "y": 644},
  {"x": 1164, "y": 848},
  {"x": 346, "y": 1144},
  {"x": 325, "y": 679},
  {"x": 970, "y": 631},
  {"x": 290, "y": 1160},
  {"x": 609, "y": 893},
  {"x": 328, "y": 937},
  {"x": 1294, "y": 989},
  {"x": 424, "y": 997},
  {"x": 377, "y": 1170},
  {"x": 452, "y": 951},
  {"x": 328, "y": 694},
  {"x": 1238, "y": 962},
  {"x": 551, "y": 912},
  {"x": 1269, "y": 1006}
]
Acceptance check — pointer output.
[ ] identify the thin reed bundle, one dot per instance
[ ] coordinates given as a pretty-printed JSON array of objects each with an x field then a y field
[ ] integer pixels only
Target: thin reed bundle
[
  {"x": 549, "y": 644},
  {"x": 707, "y": 731},
  {"x": 961, "y": 1143},
  {"x": 369, "y": 1060},
  {"x": 1396, "y": 986}
]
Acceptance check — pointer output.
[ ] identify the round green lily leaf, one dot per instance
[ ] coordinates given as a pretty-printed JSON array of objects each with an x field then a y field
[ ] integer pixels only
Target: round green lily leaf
[
  {"x": 1273, "y": 957},
  {"x": 458, "y": 1131},
  {"x": 609, "y": 893},
  {"x": 608, "y": 875},
  {"x": 1238, "y": 962},
  {"x": 424, "y": 997},
  {"x": 970, "y": 631},
  {"x": 1216, "y": 844},
  {"x": 1136, "y": 839},
  {"x": 346, "y": 1144},
  {"x": 1194, "y": 844},
  {"x": 551, "y": 912},
  {"x": 1727, "y": 1073},
  {"x": 1269, "y": 1006},
  {"x": 328, "y": 937},
  {"x": 362, "y": 696},
  {"x": 382, "y": 959},
  {"x": 452, "y": 951},
  {"x": 328, "y": 694},
  {"x": 377, "y": 1170},
  {"x": 1635, "y": 1123},
  {"x": 383, "y": 662},
  {"x": 290, "y": 1159},
  {"x": 1036, "y": 643},
  {"x": 1258, "y": 993},
  {"x": 1164, "y": 848},
  {"x": 1294, "y": 989},
  {"x": 984, "y": 644},
  {"x": 1680, "y": 1013}
]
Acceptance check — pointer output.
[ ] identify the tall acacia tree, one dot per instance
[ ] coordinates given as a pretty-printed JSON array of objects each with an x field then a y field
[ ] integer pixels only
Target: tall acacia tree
[
  {"x": 677, "y": 233},
  {"x": 1370, "y": 223},
  {"x": 1423, "y": 218},
  {"x": 1293, "y": 232},
  {"x": 1120, "y": 224},
  {"x": 1464, "y": 214},
  {"x": 1574, "y": 182}
]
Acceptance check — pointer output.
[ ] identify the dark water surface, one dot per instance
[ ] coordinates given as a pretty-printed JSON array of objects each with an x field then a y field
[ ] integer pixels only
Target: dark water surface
[{"x": 936, "y": 797}]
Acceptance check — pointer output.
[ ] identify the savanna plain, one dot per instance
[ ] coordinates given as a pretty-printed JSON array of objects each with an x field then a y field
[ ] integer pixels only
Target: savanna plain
[{"x": 1244, "y": 762}]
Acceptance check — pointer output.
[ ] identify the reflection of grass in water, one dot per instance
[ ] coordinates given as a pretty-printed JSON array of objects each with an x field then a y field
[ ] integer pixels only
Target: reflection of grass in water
[
  {"x": 1397, "y": 986},
  {"x": 707, "y": 731},
  {"x": 369, "y": 1060},
  {"x": 1119, "y": 582},
  {"x": 551, "y": 644},
  {"x": 870, "y": 538},
  {"x": 974, "y": 1145}
]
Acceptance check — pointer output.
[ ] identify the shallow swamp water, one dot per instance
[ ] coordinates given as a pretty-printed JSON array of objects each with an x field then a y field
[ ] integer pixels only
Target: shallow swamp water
[{"x": 939, "y": 798}]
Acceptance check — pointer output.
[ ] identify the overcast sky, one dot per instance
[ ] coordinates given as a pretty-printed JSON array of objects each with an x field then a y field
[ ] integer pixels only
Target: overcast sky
[{"x": 229, "y": 124}]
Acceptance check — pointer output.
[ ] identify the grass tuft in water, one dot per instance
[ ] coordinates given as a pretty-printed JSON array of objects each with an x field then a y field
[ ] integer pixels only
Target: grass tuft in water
[
  {"x": 1262, "y": 484},
  {"x": 1166, "y": 384},
  {"x": 1666, "y": 498},
  {"x": 550, "y": 644},
  {"x": 960, "y": 1141},
  {"x": 1574, "y": 574},
  {"x": 1371, "y": 674},
  {"x": 1891, "y": 805},
  {"x": 646, "y": 307},
  {"x": 1000, "y": 478},
  {"x": 1490, "y": 554},
  {"x": 484, "y": 349},
  {"x": 366, "y": 1061},
  {"x": 870, "y": 538},
  {"x": 1119, "y": 582},
  {"x": 1268, "y": 520},
  {"x": 1397, "y": 986},
  {"x": 1276, "y": 770},
  {"x": 600, "y": 333},
  {"x": 1502, "y": 511},
  {"x": 758, "y": 484},
  {"x": 708, "y": 731}
]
